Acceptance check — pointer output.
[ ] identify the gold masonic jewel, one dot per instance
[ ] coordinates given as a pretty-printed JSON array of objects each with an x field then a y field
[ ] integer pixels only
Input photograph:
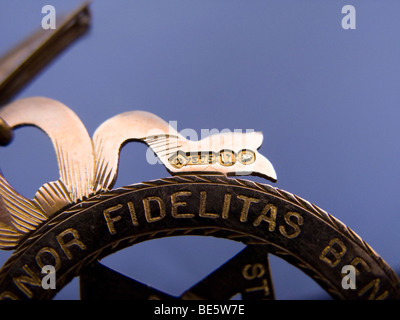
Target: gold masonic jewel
[
  {"x": 74, "y": 222},
  {"x": 88, "y": 167}
]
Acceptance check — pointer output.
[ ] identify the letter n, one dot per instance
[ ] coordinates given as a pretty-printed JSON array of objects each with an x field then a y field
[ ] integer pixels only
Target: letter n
[{"x": 29, "y": 278}]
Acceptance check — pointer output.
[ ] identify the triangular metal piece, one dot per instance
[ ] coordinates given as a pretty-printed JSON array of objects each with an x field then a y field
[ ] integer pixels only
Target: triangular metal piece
[{"x": 98, "y": 282}]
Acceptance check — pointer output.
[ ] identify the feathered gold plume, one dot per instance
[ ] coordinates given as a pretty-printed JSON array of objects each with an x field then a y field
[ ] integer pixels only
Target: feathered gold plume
[
  {"x": 74, "y": 152},
  {"x": 88, "y": 167}
]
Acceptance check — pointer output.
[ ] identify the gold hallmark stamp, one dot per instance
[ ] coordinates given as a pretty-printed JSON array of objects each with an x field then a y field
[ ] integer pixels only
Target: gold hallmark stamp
[{"x": 204, "y": 158}]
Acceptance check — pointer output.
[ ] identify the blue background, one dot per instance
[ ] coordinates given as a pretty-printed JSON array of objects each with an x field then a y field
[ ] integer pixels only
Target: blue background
[{"x": 326, "y": 99}]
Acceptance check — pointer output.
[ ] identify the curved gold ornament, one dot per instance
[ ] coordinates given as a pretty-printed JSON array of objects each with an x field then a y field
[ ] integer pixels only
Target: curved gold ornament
[
  {"x": 88, "y": 167},
  {"x": 169, "y": 145}
]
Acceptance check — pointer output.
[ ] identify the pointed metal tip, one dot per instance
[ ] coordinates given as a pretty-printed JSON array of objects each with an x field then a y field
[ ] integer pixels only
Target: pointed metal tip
[
  {"x": 22, "y": 63},
  {"x": 6, "y": 133}
]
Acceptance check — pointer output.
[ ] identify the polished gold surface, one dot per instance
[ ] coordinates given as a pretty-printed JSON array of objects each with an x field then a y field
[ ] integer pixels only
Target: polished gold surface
[
  {"x": 214, "y": 154},
  {"x": 88, "y": 167},
  {"x": 104, "y": 219}
]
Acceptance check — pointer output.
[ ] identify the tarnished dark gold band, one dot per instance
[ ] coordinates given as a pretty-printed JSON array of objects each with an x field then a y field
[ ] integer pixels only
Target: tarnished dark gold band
[{"x": 255, "y": 214}]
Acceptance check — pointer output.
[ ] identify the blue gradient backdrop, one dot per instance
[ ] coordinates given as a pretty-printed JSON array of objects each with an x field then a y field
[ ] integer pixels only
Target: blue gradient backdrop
[{"x": 326, "y": 99}]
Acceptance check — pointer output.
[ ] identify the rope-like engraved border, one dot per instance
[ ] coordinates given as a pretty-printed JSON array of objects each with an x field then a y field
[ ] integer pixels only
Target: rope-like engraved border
[{"x": 214, "y": 179}]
